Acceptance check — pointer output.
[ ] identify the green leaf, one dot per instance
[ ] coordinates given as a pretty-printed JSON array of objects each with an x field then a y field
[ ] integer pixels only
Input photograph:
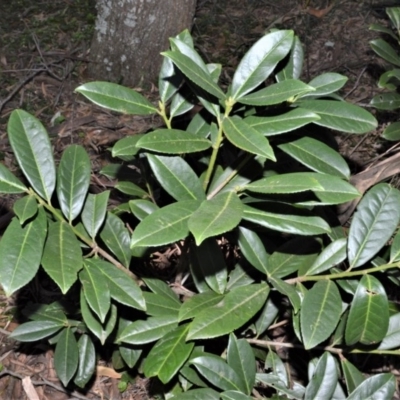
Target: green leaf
[
  {"x": 383, "y": 29},
  {"x": 219, "y": 215},
  {"x": 373, "y": 224},
  {"x": 117, "y": 98},
  {"x": 276, "y": 365},
  {"x": 294, "y": 66},
  {"x": 247, "y": 138},
  {"x": 332, "y": 255},
  {"x": 341, "y": 116},
  {"x": 126, "y": 146},
  {"x": 327, "y": 83},
  {"x": 122, "y": 288},
  {"x": 195, "y": 73},
  {"x": 25, "y": 208},
  {"x": 386, "y": 101},
  {"x": 234, "y": 395},
  {"x": 277, "y": 93},
  {"x": 260, "y": 61},
  {"x": 320, "y": 313},
  {"x": 94, "y": 212},
  {"x": 9, "y": 183},
  {"x": 266, "y": 317},
  {"x": 168, "y": 80},
  {"x": 386, "y": 51},
  {"x": 392, "y": 132},
  {"x": 166, "y": 225},
  {"x": 324, "y": 380},
  {"x": 131, "y": 189},
  {"x": 181, "y": 103},
  {"x": 294, "y": 224},
  {"x": 210, "y": 262},
  {"x": 100, "y": 331},
  {"x": 392, "y": 338},
  {"x": 142, "y": 208},
  {"x": 96, "y": 290},
  {"x": 198, "y": 394},
  {"x": 150, "y": 330},
  {"x": 239, "y": 276},
  {"x": 353, "y": 377},
  {"x": 368, "y": 319},
  {"x": 219, "y": 373},
  {"x": 253, "y": 249},
  {"x": 380, "y": 386},
  {"x": 241, "y": 358},
  {"x": 34, "y": 331},
  {"x": 168, "y": 355},
  {"x": 286, "y": 122},
  {"x": 173, "y": 141},
  {"x": 130, "y": 355},
  {"x": 66, "y": 356},
  {"x": 198, "y": 303},
  {"x": 21, "y": 251},
  {"x": 116, "y": 237},
  {"x": 394, "y": 15},
  {"x": 177, "y": 178},
  {"x": 287, "y": 290},
  {"x": 275, "y": 382},
  {"x": 32, "y": 149},
  {"x": 237, "y": 307},
  {"x": 62, "y": 255},
  {"x": 317, "y": 156},
  {"x": 87, "y": 361},
  {"x": 160, "y": 305}
]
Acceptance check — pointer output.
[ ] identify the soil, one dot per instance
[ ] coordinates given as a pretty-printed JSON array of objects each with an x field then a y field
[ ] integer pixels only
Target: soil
[{"x": 44, "y": 56}]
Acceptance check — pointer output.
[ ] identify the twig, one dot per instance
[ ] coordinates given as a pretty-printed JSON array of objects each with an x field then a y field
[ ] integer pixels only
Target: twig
[{"x": 356, "y": 84}]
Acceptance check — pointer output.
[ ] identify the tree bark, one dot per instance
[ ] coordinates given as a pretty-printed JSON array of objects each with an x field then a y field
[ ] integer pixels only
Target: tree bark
[{"x": 130, "y": 34}]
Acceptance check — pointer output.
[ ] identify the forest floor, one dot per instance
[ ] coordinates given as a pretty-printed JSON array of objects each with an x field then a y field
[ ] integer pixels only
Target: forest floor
[{"x": 44, "y": 56}]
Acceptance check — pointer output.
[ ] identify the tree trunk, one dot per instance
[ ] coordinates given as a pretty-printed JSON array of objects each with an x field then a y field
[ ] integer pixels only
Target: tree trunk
[{"x": 130, "y": 34}]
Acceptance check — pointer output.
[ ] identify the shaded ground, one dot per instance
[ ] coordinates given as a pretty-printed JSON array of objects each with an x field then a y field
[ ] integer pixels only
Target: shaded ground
[{"x": 44, "y": 56}]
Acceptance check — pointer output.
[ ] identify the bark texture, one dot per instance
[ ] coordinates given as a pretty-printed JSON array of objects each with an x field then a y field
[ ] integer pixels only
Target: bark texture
[{"x": 130, "y": 34}]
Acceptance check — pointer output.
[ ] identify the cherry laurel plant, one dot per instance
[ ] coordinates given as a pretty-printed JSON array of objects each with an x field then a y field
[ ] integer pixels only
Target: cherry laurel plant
[{"x": 244, "y": 194}]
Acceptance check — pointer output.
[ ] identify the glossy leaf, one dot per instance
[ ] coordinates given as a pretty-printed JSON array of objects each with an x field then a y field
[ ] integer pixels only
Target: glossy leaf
[
  {"x": 219, "y": 373},
  {"x": 35, "y": 330},
  {"x": 32, "y": 149},
  {"x": 25, "y": 208},
  {"x": 294, "y": 66},
  {"x": 122, "y": 288},
  {"x": 169, "y": 80},
  {"x": 116, "y": 237},
  {"x": 117, "y": 98},
  {"x": 241, "y": 358},
  {"x": 218, "y": 215},
  {"x": 320, "y": 313},
  {"x": 324, "y": 380},
  {"x": 392, "y": 337},
  {"x": 166, "y": 225},
  {"x": 73, "y": 181},
  {"x": 317, "y": 156},
  {"x": 327, "y": 83},
  {"x": 96, "y": 290},
  {"x": 195, "y": 73},
  {"x": 176, "y": 177},
  {"x": 353, "y": 377},
  {"x": 66, "y": 356},
  {"x": 131, "y": 189},
  {"x": 380, "y": 386},
  {"x": 276, "y": 365},
  {"x": 266, "y": 317},
  {"x": 275, "y": 382},
  {"x": 62, "y": 255},
  {"x": 87, "y": 361},
  {"x": 234, "y": 395},
  {"x": 287, "y": 290},
  {"x": 277, "y": 93},
  {"x": 332, "y": 255},
  {"x": 159, "y": 305},
  {"x": 180, "y": 104},
  {"x": 260, "y": 61},
  {"x": 237, "y": 307},
  {"x": 373, "y": 224},
  {"x": 301, "y": 225},
  {"x": 168, "y": 355},
  {"x": 386, "y": 51},
  {"x": 211, "y": 262},
  {"x": 126, "y": 146},
  {"x": 386, "y": 101},
  {"x": 247, "y": 138},
  {"x": 94, "y": 212},
  {"x": 142, "y": 208},
  {"x": 9, "y": 183},
  {"x": 368, "y": 319},
  {"x": 341, "y": 116},
  {"x": 253, "y": 249},
  {"x": 239, "y": 276},
  {"x": 198, "y": 303},
  {"x": 198, "y": 394},
  {"x": 150, "y": 330},
  {"x": 21, "y": 251},
  {"x": 392, "y": 132},
  {"x": 286, "y": 122},
  {"x": 130, "y": 355}
]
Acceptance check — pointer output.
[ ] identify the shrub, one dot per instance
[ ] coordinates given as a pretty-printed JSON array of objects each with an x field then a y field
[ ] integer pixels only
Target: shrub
[{"x": 246, "y": 191}]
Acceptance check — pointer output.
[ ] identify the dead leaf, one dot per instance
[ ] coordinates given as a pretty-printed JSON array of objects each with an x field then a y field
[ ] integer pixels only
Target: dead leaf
[
  {"x": 110, "y": 372},
  {"x": 29, "y": 389}
]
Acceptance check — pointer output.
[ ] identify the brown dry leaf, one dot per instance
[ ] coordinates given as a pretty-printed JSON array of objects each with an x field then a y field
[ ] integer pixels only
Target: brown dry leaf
[
  {"x": 319, "y": 13},
  {"x": 106, "y": 371},
  {"x": 29, "y": 389}
]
